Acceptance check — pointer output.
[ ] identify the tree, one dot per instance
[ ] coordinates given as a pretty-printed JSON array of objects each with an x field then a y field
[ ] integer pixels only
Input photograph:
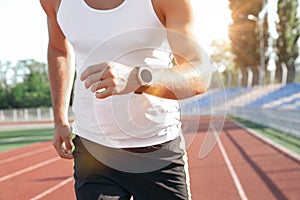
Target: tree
[
  {"x": 4, "y": 84},
  {"x": 4, "y": 68},
  {"x": 288, "y": 29},
  {"x": 244, "y": 36},
  {"x": 27, "y": 86},
  {"x": 4, "y": 103},
  {"x": 223, "y": 58}
]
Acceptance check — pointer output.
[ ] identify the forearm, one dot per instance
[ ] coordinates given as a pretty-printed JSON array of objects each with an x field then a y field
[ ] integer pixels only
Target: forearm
[
  {"x": 191, "y": 75},
  {"x": 61, "y": 75},
  {"x": 180, "y": 82}
]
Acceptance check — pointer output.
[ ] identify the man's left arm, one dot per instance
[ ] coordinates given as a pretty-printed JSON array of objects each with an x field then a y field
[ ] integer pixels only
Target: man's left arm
[{"x": 187, "y": 77}]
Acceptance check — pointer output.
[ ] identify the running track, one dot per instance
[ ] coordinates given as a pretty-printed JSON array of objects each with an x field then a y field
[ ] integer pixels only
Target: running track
[{"x": 240, "y": 166}]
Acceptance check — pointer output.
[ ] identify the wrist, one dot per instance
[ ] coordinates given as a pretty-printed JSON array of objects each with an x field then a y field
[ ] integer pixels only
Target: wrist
[
  {"x": 61, "y": 122},
  {"x": 145, "y": 79}
]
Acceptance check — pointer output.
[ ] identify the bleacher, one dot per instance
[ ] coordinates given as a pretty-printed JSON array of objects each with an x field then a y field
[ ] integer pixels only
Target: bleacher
[
  {"x": 253, "y": 94},
  {"x": 210, "y": 100},
  {"x": 286, "y": 97},
  {"x": 276, "y": 105},
  {"x": 268, "y": 96}
]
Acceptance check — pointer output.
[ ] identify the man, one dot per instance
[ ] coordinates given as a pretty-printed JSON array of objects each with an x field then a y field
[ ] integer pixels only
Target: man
[{"x": 122, "y": 104}]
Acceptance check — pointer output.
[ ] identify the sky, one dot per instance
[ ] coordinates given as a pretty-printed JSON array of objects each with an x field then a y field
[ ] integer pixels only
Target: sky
[{"x": 23, "y": 28}]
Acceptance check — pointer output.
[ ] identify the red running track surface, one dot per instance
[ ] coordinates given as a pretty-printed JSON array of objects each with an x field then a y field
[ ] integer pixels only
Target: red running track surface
[{"x": 240, "y": 166}]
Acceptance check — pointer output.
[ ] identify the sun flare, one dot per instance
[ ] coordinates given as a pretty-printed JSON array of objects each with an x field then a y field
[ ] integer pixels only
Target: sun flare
[{"x": 211, "y": 21}]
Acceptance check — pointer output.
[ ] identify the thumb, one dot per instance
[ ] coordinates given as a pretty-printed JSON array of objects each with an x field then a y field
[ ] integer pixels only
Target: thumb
[{"x": 68, "y": 144}]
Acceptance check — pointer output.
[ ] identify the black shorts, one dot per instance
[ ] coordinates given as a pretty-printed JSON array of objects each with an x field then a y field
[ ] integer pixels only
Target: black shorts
[{"x": 150, "y": 173}]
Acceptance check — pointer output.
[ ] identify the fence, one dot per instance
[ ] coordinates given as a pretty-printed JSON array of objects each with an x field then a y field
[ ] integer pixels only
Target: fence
[
  {"x": 28, "y": 114},
  {"x": 287, "y": 121}
]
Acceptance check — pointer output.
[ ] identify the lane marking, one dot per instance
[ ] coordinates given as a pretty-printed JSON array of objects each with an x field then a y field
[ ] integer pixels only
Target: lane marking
[
  {"x": 52, "y": 189},
  {"x": 269, "y": 141},
  {"x": 13, "y": 139},
  {"x": 30, "y": 153},
  {"x": 187, "y": 175},
  {"x": 230, "y": 167},
  {"x": 22, "y": 171}
]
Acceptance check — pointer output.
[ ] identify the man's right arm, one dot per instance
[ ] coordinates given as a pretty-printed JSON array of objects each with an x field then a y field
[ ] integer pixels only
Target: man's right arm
[{"x": 61, "y": 75}]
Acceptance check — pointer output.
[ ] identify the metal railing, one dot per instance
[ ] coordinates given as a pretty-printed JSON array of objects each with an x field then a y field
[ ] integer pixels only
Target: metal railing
[
  {"x": 28, "y": 114},
  {"x": 287, "y": 121}
]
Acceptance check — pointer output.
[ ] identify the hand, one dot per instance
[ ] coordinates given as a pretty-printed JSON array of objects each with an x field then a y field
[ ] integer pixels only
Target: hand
[
  {"x": 111, "y": 79},
  {"x": 62, "y": 141}
]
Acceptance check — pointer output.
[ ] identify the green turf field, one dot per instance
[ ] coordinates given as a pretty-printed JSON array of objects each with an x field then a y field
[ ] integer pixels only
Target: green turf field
[
  {"x": 290, "y": 142},
  {"x": 11, "y": 139},
  {"x": 17, "y": 138}
]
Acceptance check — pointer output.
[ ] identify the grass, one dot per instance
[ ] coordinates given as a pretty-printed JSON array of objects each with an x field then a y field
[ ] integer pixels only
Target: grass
[
  {"x": 12, "y": 139},
  {"x": 290, "y": 142}
]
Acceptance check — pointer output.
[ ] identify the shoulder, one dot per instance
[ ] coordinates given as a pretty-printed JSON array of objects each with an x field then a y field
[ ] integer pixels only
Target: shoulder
[
  {"x": 50, "y": 6},
  {"x": 177, "y": 14},
  {"x": 172, "y": 6},
  {"x": 174, "y": 10}
]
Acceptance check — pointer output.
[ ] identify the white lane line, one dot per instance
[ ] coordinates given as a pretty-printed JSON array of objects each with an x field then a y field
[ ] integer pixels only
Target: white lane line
[
  {"x": 30, "y": 153},
  {"x": 230, "y": 167},
  {"x": 187, "y": 175},
  {"x": 52, "y": 189},
  {"x": 14, "y": 139},
  {"x": 22, "y": 171},
  {"x": 269, "y": 141}
]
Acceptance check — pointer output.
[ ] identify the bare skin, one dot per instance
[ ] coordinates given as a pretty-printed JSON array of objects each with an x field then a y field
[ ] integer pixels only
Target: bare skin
[{"x": 181, "y": 81}]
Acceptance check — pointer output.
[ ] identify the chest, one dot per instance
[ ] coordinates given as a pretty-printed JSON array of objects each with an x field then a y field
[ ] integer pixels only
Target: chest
[
  {"x": 104, "y": 4},
  {"x": 118, "y": 28}
]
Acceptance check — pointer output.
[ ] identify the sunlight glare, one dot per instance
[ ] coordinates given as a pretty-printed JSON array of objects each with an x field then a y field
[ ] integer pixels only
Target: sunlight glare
[{"x": 211, "y": 21}]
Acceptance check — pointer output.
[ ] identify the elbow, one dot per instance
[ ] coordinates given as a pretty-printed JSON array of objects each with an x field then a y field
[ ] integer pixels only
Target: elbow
[
  {"x": 53, "y": 51},
  {"x": 58, "y": 48},
  {"x": 200, "y": 89},
  {"x": 201, "y": 85}
]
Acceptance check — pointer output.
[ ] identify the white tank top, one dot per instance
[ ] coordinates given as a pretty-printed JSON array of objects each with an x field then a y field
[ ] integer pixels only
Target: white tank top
[{"x": 130, "y": 34}]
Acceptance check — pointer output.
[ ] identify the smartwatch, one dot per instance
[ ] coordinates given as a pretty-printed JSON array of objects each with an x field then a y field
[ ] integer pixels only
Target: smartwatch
[{"x": 145, "y": 78}]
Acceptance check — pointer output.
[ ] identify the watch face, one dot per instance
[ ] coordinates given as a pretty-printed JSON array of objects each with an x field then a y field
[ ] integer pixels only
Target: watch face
[{"x": 146, "y": 75}]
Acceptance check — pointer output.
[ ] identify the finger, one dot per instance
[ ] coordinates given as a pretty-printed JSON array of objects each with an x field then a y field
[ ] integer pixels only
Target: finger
[
  {"x": 92, "y": 70},
  {"x": 101, "y": 84},
  {"x": 61, "y": 150},
  {"x": 68, "y": 145},
  {"x": 64, "y": 152},
  {"x": 106, "y": 93},
  {"x": 94, "y": 78},
  {"x": 58, "y": 147}
]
